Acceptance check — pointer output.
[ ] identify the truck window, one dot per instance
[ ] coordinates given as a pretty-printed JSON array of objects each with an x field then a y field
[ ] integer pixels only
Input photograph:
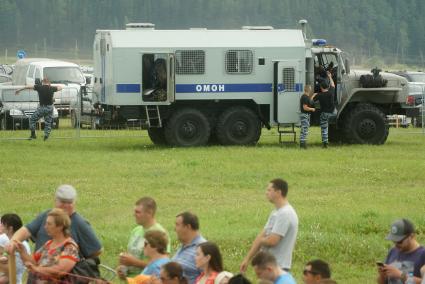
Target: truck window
[
  {"x": 289, "y": 79},
  {"x": 190, "y": 62},
  {"x": 239, "y": 61},
  {"x": 64, "y": 75}
]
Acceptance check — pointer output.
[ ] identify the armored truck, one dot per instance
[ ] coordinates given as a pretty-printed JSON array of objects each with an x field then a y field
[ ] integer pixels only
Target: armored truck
[{"x": 191, "y": 87}]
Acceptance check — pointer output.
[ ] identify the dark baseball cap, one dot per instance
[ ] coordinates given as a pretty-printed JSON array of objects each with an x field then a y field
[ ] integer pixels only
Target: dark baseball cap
[{"x": 400, "y": 229}]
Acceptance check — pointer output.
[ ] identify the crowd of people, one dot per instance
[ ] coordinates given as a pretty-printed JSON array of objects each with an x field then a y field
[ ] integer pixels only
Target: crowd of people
[{"x": 63, "y": 238}]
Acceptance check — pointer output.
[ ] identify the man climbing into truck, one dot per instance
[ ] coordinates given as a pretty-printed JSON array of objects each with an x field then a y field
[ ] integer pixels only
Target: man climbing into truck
[{"x": 327, "y": 106}]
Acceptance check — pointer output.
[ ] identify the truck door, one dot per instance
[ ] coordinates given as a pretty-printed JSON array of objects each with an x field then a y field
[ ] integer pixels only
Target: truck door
[
  {"x": 287, "y": 90},
  {"x": 158, "y": 78}
]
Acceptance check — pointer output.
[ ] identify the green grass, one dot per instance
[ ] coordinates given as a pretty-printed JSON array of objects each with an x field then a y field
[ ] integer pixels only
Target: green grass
[{"x": 345, "y": 196}]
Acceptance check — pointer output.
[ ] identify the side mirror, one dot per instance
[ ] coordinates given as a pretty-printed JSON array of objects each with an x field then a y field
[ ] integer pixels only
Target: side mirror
[
  {"x": 88, "y": 80},
  {"x": 347, "y": 66}
]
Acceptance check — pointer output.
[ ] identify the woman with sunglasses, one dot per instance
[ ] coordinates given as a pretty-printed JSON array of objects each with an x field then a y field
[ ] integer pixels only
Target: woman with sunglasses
[
  {"x": 208, "y": 259},
  {"x": 156, "y": 250}
]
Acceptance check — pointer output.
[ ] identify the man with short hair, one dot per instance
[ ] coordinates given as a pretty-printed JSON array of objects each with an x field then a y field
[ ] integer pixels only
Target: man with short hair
[
  {"x": 280, "y": 232},
  {"x": 187, "y": 231},
  {"x": 81, "y": 231},
  {"x": 266, "y": 268},
  {"x": 405, "y": 259},
  {"x": 316, "y": 271},
  {"x": 45, "y": 94},
  {"x": 327, "y": 106},
  {"x": 133, "y": 260}
]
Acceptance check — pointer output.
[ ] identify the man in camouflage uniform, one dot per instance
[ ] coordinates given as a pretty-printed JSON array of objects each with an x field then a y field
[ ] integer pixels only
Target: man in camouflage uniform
[
  {"x": 327, "y": 106},
  {"x": 306, "y": 108},
  {"x": 45, "y": 109}
]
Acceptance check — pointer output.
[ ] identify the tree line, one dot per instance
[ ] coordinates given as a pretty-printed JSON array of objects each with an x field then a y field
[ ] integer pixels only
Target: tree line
[{"x": 385, "y": 28}]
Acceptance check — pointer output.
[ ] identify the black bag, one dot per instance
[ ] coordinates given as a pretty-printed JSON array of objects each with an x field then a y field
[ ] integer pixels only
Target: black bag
[{"x": 84, "y": 270}]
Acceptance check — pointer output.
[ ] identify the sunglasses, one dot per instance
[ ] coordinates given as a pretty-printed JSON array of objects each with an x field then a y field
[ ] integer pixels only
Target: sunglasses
[
  {"x": 305, "y": 272},
  {"x": 402, "y": 240}
]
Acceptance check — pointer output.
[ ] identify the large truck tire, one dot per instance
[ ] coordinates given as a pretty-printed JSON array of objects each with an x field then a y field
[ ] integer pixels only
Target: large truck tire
[
  {"x": 157, "y": 136},
  {"x": 238, "y": 126},
  {"x": 187, "y": 127},
  {"x": 366, "y": 124}
]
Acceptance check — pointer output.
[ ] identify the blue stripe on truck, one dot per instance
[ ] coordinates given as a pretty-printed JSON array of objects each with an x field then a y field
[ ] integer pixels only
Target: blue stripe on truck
[
  {"x": 212, "y": 88},
  {"x": 128, "y": 88}
]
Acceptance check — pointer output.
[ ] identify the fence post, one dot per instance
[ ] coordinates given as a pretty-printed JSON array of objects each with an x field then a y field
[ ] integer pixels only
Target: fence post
[{"x": 12, "y": 268}]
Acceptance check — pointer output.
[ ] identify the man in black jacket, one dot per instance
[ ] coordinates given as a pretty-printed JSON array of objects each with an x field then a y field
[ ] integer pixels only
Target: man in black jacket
[
  {"x": 327, "y": 106},
  {"x": 45, "y": 109}
]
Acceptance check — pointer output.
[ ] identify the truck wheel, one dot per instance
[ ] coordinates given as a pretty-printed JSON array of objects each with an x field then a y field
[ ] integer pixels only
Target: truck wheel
[
  {"x": 73, "y": 119},
  {"x": 238, "y": 126},
  {"x": 187, "y": 127},
  {"x": 157, "y": 136},
  {"x": 366, "y": 124}
]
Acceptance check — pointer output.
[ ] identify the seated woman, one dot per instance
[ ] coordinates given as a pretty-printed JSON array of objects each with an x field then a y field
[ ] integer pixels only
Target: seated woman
[
  {"x": 172, "y": 273},
  {"x": 57, "y": 257},
  {"x": 9, "y": 224},
  {"x": 156, "y": 250},
  {"x": 208, "y": 259}
]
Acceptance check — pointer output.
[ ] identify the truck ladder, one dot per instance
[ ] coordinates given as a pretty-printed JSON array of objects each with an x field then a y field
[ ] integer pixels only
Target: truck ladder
[
  {"x": 283, "y": 132},
  {"x": 153, "y": 116}
]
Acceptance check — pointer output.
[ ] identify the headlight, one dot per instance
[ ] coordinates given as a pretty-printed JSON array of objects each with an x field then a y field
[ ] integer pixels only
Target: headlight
[{"x": 16, "y": 112}]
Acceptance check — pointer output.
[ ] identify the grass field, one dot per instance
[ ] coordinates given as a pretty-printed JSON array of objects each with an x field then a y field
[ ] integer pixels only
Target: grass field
[{"x": 345, "y": 196}]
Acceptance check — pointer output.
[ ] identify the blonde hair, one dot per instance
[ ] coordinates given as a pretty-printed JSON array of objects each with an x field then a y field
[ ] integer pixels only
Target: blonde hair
[
  {"x": 307, "y": 89},
  {"x": 61, "y": 219}
]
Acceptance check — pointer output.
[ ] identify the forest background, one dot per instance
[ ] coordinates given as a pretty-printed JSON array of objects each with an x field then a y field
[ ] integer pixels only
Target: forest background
[{"x": 376, "y": 32}]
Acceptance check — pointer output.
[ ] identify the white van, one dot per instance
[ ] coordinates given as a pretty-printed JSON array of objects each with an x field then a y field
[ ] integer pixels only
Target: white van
[{"x": 29, "y": 70}]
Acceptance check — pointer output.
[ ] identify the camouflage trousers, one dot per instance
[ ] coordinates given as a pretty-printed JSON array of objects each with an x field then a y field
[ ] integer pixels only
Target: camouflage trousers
[
  {"x": 305, "y": 124},
  {"x": 47, "y": 113},
  {"x": 324, "y": 125}
]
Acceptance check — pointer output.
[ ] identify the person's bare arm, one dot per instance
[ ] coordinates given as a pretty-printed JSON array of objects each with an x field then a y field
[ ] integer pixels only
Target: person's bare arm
[
  {"x": 20, "y": 235},
  {"x": 332, "y": 83},
  {"x": 28, "y": 87},
  {"x": 271, "y": 240},
  {"x": 255, "y": 247}
]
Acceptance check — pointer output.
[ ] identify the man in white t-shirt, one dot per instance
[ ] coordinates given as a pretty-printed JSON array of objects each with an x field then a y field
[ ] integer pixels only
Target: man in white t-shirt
[
  {"x": 280, "y": 232},
  {"x": 9, "y": 224}
]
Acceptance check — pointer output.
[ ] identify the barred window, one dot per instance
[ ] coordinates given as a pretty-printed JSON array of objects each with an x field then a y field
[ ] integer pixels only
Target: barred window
[
  {"x": 289, "y": 79},
  {"x": 239, "y": 61},
  {"x": 190, "y": 62}
]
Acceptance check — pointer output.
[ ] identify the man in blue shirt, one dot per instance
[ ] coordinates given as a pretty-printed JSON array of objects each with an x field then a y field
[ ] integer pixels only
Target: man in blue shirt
[
  {"x": 81, "y": 231},
  {"x": 187, "y": 231},
  {"x": 405, "y": 259},
  {"x": 266, "y": 268}
]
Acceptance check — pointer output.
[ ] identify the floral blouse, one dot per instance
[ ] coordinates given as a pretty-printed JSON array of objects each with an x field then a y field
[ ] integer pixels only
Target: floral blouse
[{"x": 49, "y": 255}]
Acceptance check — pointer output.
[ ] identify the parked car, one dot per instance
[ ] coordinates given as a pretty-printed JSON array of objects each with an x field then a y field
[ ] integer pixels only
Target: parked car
[
  {"x": 5, "y": 79},
  {"x": 85, "y": 109},
  {"x": 68, "y": 74},
  {"x": 15, "y": 111}
]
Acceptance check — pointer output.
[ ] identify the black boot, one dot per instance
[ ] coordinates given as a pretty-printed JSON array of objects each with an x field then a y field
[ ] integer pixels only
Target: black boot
[
  {"x": 33, "y": 136},
  {"x": 325, "y": 144},
  {"x": 303, "y": 145},
  {"x": 45, "y": 137}
]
